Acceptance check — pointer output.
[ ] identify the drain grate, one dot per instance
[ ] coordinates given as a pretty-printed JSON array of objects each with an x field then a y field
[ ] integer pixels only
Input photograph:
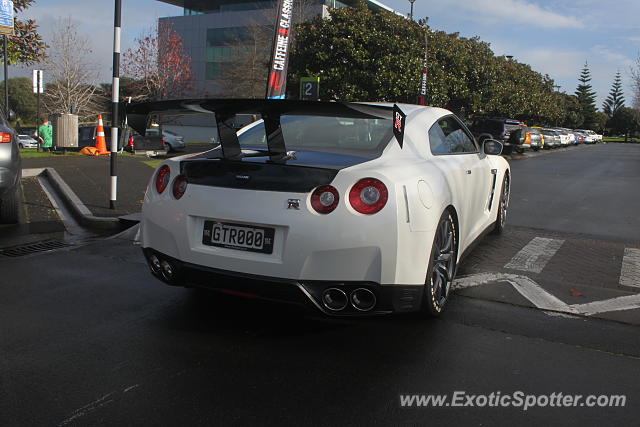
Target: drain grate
[{"x": 33, "y": 248}]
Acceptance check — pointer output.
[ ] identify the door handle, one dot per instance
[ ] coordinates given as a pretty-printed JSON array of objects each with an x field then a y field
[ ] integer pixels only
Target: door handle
[{"x": 468, "y": 171}]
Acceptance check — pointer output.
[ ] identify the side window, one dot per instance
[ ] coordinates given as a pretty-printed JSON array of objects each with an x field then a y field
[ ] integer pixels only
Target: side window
[{"x": 447, "y": 136}]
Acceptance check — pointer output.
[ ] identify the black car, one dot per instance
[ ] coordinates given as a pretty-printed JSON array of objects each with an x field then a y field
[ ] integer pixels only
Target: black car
[
  {"x": 499, "y": 129},
  {"x": 10, "y": 172}
]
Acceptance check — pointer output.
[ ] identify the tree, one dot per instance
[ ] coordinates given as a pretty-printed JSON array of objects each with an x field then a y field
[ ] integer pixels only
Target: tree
[
  {"x": 244, "y": 73},
  {"x": 615, "y": 99},
  {"x": 635, "y": 82},
  {"x": 586, "y": 97},
  {"x": 22, "y": 99},
  {"x": 245, "y": 65},
  {"x": 625, "y": 121},
  {"x": 26, "y": 45},
  {"x": 73, "y": 75},
  {"x": 601, "y": 120},
  {"x": 159, "y": 64},
  {"x": 361, "y": 55},
  {"x": 571, "y": 113}
]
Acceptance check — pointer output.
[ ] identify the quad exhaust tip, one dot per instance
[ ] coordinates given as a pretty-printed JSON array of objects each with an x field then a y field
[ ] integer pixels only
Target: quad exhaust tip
[
  {"x": 363, "y": 299},
  {"x": 167, "y": 270},
  {"x": 334, "y": 299},
  {"x": 156, "y": 267}
]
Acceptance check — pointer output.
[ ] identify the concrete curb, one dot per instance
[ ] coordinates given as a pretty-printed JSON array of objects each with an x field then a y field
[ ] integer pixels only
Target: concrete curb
[{"x": 79, "y": 211}]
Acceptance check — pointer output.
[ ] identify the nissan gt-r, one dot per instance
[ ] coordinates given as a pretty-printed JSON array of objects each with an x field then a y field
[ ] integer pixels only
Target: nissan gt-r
[{"x": 350, "y": 208}]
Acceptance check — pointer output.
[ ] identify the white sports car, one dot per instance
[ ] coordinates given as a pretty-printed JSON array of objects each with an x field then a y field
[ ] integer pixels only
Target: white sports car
[{"x": 352, "y": 208}]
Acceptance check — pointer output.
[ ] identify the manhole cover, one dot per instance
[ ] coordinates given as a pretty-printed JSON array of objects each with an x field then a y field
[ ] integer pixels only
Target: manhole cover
[{"x": 33, "y": 248}]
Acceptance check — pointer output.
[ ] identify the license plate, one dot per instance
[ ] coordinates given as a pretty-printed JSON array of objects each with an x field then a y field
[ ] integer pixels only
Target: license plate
[{"x": 241, "y": 237}]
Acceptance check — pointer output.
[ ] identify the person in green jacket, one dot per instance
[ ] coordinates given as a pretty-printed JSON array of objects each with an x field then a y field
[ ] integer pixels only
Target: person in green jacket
[{"x": 45, "y": 135}]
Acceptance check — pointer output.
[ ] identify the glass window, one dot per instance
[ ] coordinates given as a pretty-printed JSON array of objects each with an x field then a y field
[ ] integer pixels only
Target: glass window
[
  {"x": 447, "y": 136},
  {"x": 212, "y": 70},
  {"x": 327, "y": 134}
]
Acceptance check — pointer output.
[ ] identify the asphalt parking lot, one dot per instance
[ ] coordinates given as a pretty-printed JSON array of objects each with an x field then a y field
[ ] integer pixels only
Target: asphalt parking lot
[{"x": 87, "y": 336}]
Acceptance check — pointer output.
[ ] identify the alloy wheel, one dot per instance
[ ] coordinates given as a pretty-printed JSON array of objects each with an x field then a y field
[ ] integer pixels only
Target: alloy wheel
[
  {"x": 504, "y": 200},
  {"x": 443, "y": 263}
]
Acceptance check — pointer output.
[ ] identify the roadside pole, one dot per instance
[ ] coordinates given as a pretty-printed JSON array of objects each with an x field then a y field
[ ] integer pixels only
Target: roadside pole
[
  {"x": 6, "y": 29},
  {"x": 115, "y": 89},
  {"x": 37, "y": 89},
  {"x": 6, "y": 80}
]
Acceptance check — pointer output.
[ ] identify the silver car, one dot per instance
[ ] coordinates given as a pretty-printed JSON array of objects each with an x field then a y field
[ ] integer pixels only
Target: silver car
[
  {"x": 173, "y": 140},
  {"x": 10, "y": 173},
  {"x": 26, "y": 141}
]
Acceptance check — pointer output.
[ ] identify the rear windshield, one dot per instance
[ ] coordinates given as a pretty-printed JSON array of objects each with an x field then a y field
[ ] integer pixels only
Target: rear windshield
[
  {"x": 330, "y": 134},
  {"x": 510, "y": 127}
]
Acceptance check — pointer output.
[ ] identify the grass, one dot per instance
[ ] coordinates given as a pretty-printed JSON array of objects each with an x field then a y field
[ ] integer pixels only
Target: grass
[
  {"x": 32, "y": 153},
  {"x": 619, "y": 139},
  {"x": 154, "y": 163}
]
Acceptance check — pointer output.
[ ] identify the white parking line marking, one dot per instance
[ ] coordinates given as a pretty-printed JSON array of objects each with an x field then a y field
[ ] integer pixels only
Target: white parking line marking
[
  {"x": 525, "y": 286},
  {"x": 630, "y": 272},
  {"x": 628, "y": 302},
  {"x": 535, "y": 255},
  {"x": 546, "y": 301}
]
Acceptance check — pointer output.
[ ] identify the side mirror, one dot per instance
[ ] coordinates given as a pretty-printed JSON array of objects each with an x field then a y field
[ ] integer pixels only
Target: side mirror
[
  {"x": 12, "y": 116},
  {"x": 492, "y": 147}
]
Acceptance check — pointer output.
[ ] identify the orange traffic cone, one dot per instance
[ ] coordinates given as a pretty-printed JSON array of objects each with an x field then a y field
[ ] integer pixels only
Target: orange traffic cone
[{"x": 101, "y": 141}]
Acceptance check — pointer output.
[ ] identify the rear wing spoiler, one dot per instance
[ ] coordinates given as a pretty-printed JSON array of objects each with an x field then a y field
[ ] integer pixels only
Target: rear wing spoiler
[{"x": 270, "y": 110}]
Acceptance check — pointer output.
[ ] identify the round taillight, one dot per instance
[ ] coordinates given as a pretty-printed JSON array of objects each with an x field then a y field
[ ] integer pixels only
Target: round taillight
[
  {"x": 162, "y": 178},
  {"x": 368, "y": 196},
  {"x": 179, "y": 186},
  {"x": 325, "y": 199}
]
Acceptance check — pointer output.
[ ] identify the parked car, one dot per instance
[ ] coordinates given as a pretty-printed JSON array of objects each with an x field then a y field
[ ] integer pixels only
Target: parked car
[
  {"x": 27, "y": 141},
  {"x": 566, "y": 138},
  {"x": 536, "y": 138},
  {"x": 499, "y": 129},
  {"x": 343, "y": 210},
  {"x": 590, "y": 136},
  {"x": 150, "y": 144},
  {"x": 580, "y": 137},
  {"x": 173, "y": 140},
  {"x": 10, "y": 172},
  {"x": 525, "y": 138},
  {"x": 597, "y": 136},
  {"x": 552, "y": 138}
]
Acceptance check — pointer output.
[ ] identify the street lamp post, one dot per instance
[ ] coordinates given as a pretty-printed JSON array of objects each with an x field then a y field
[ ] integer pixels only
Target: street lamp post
[{"x": 411, "y": 13}]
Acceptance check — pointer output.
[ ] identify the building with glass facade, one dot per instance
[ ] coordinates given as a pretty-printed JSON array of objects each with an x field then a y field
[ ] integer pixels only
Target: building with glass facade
[{"x": 209, "y": 28}]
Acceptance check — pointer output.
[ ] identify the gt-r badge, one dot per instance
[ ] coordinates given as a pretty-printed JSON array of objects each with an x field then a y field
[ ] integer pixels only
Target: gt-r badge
[
  {"x": 293, "y": 204},
  {"x": 243, "y": 177},
  {"x": 398, "y": 124}
]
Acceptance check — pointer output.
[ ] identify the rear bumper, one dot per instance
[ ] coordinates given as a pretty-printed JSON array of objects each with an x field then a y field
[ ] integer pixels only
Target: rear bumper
[{"x": 308, "y": 294}]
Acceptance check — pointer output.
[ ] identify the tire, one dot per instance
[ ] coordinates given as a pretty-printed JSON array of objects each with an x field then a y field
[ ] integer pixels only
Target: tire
[
  {"x": 503, "y": 205},
  {"x": 442, "y": 266},
  {"x": 9, "y": 209},
  {"x": 507, "y": 149},
  {"x": 21, "y": 145},
  {"x": 536, "y": 148}
]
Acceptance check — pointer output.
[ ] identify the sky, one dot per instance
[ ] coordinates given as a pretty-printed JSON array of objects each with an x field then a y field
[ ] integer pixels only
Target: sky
[{"x": 554, "y": 37}]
